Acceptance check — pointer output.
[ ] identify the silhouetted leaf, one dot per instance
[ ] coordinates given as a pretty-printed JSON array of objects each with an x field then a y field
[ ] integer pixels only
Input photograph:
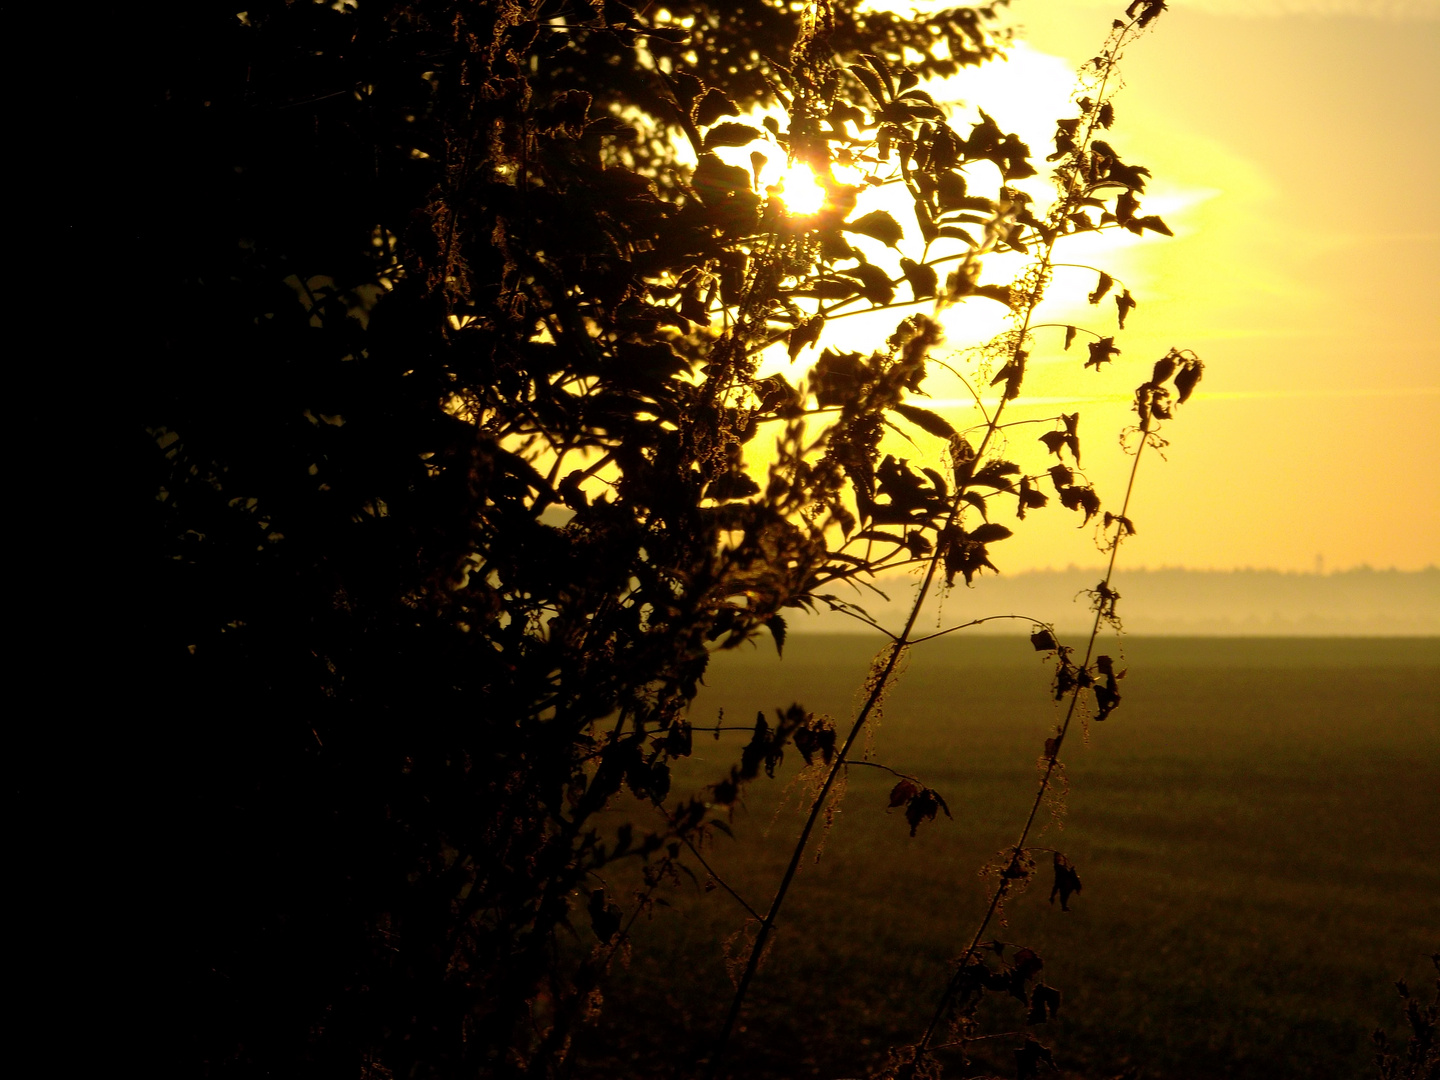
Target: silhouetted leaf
[
  {"x": 1106, "y": 281},
  {"x": 1067, "y": 883},
  {"x": 1011, "y": 375},
  {"x": 1151, "y": 222},
  {"x": 1044, "y": 1004},
  {"x": 879, "y": 225},
  {"x": 903, "y": 792},
  {"x": 1054, "y": 441},
  {"x": 1001, "y": 293},
  {"x": 713, "y": 106},
  {"x": 875, "y": 283},
  {"x": 989, "y": 533},
  {"x": 807, "y": 333},
  {"x": 870, "y": 80},
  {"x": 1101, "y": 352},
  {"x": 1188, "y": 378},
  {"x": 731, "y": 134},
  {"x": 923, "y": 279},
  {"x": 926, "y": 420},
  {"x": 1124, "y": 304},
  {"x": 776, "y": 625},
  {"x": 1030, "y": 498}
]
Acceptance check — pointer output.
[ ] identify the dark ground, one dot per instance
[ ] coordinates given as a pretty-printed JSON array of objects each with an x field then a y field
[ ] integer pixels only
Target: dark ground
[{"x": 1257, "y": 830}]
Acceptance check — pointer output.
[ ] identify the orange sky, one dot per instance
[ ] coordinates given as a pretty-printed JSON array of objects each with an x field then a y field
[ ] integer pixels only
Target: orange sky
[
  {"x": 1300, "y": 142},
  {"x": 1295, "y": 146}
]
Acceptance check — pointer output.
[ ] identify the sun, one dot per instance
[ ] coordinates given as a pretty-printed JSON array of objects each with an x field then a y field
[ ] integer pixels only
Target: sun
[{"x": 799, "y": 190}]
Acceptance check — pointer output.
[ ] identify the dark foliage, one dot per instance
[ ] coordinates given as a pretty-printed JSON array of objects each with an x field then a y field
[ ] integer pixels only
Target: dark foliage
[{"x": 446, "y": 365}]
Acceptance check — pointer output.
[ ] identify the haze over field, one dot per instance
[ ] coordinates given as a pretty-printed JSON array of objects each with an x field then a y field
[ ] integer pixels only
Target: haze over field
[{"x": 1358, "y": 603}]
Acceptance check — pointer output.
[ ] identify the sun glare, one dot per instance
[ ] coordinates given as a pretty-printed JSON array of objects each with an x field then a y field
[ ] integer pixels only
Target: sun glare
[{"x": 799, "y": 190}]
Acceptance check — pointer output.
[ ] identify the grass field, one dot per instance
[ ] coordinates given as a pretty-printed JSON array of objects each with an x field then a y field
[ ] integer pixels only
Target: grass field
[{"x": 1257, "y": 830}]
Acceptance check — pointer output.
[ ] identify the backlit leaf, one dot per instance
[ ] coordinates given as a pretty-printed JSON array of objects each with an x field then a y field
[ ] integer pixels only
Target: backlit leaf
[
  {"x": 877, "y": 224},
  {"x": 731, "y": 134}
]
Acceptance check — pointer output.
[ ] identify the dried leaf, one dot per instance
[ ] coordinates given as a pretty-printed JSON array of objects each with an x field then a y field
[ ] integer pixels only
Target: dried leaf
[
  {"x": 1067, "y": 882},
  {"x": 1102, "y": 288}
]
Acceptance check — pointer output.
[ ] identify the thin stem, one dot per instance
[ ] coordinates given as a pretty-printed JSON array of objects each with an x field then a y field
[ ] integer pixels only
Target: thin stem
[
  {"x": 1004, "y": 885},
  {"x": 718, "y": 879}
]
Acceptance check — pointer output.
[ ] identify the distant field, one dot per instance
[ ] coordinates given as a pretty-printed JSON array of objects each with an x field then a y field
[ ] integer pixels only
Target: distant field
[{"x": 1257, "y": 830}]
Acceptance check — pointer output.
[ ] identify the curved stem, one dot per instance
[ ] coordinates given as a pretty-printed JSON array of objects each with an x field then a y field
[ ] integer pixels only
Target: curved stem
[{"x": 1015, "y": 852}]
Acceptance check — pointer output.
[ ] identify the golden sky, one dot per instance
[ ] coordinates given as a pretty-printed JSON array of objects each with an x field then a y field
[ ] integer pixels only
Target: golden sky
[
  {"x": 1295, "y": 148},
  {"x": 1300, "y": 140}
]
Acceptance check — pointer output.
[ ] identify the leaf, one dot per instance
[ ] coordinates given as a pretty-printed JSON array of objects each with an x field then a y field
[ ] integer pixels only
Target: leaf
[
  {"x": 923, "y": 279},
  {"x": 879, "y": 64},
  {"x": 989, "y": 533},
  {"x": 1044, "y": 640},
  {"x": 1188, "y": 378},
  {"x": 993, "y": 474},
  {"x": 903, "y": 792},
  {"x": 679, "y": 739},
  {"x": 1102, "y": 352},
  {"x": 713, "y": 106},
  {"x": 1072, "y": 433},
  {"x": 1080, "y": 498},
  {"x": 1030, "y": 498},
  {"x": 776, "y": 626},
  {"x": 807, "y": 333},
  {"x": 1106, "y": 281},
  {"x": 1011, "y": 374},
  {"x": 1151, "y": 222},
  {"x": 1044, "y": 1004},
  {"x": 1054, "y": 441},
  {"x": 954, "y": 232},
  {"x": 922, "y": 807},
  {"x": 926, "y": 420},
  {"x": 876, "y": 283},
  {"x": 871, "y": 82},
  {"x": 1069, "y": 337},
  {"x": 731, "y": 134},
  {"x": 879, "y": 225},
  {"x": 1067, "y": 883},
  {"x": 994, "y": 292},
  {"x": 731, "y": 485},
  {"x": 1125, "y": 303}
]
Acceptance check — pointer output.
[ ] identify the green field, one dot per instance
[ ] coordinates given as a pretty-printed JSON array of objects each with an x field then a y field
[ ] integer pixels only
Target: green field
[{"x": 1257, "y": 830}]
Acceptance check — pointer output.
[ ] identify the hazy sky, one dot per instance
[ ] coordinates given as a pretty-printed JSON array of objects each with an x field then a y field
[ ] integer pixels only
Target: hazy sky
[
  {"x": 1295, "y": 149},
  {"x": 1300, "y": 143}
]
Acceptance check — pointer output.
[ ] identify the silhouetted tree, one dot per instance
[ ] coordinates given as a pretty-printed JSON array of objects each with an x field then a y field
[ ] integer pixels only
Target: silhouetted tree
[{"x": 448, "y": 319}]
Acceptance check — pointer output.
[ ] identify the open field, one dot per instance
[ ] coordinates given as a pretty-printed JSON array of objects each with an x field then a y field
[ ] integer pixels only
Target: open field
[{"x": 1257, "y": 829}]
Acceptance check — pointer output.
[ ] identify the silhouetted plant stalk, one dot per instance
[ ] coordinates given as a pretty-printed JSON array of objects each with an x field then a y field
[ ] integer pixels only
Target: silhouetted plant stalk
[
  {"x": 1016, "y": 870},
  {"x": 1153, "y": 402}
]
